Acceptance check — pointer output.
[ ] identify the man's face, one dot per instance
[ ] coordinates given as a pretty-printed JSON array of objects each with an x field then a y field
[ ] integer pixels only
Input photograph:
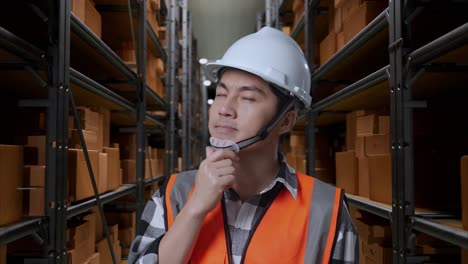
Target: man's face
[{"x": 243, "y": 105}]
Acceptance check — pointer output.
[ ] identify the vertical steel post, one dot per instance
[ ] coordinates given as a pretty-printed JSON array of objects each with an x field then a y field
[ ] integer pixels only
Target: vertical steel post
[
  {"x": 401, "y": 137},
  {"x": 259, "y": 21},
  {"x": 204, "y": 104},
  {"x": 57, "y": 128},
  {"x": 171, "y": 86},
  {"x": 189, "y": 93},
  {"x": 185, "y": 83},
  {"x": 309, "y": 32},
  {"x": 141, "y": 108},
  {"x": 268, "y": 13}
]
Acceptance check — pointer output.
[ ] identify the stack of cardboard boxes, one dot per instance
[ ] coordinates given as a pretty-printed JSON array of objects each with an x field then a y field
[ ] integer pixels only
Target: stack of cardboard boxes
[
  {"x": 464, "y": 195},
  {"x": 346, "y": 19},
  {"x": 154, "y": 163},
  {"x": 11, "y": 166},
  {"x": 298, "y": 11},
  {"x": 126, "y": 221},
  {"x": 375, "y": 238},
  {"x": 295, "y": 150},
  {"x": 104, "y": 158},
  {"x": 86, "y": 11},
  {"x": 81, "y": 243},
  {"x": 365, "y": 168}
]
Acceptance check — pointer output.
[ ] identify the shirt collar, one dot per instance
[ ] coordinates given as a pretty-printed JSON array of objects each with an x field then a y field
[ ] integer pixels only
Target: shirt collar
[{"x": 286, "y": 176}]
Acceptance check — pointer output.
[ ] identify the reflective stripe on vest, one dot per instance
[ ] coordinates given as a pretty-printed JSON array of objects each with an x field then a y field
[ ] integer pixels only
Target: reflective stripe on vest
[{"x": 280, "y": 234}]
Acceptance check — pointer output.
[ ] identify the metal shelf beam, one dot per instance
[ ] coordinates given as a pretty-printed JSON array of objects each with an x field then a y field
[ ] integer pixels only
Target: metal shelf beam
[
  {"x": 20, "y": 47},
  {"x": 156, "y": 42},
  {"x": 85, "y": 33},
  {"x": 22, "y": 229},
  {"x": 298, "y": 28},
  {"x": 94, "y": 87},
  {"x": 105, "y": 198},
  {"x": 355, "y": 88},
  {"x": 446, "y": 43},
  {"x": 452, "y": 235},
  {"x": 374, "y": 27},
  {"x": 369, "y": 206}
]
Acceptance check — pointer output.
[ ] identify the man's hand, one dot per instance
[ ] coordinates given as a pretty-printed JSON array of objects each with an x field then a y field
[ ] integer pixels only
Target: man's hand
[{"x": 216, "y": 173}]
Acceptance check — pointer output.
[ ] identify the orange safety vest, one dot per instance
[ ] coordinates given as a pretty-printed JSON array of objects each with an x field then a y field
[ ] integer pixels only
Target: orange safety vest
[{"x": 283, "y": 235}]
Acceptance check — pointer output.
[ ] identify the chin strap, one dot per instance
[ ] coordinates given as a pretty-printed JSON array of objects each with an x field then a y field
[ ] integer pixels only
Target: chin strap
[{"x": 261, "y": 135}]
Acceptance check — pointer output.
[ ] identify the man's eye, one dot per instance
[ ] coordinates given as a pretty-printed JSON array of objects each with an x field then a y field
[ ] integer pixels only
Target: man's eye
[
  {"x": 249, "y": 99},
  {"x": 219, "y": 95}
]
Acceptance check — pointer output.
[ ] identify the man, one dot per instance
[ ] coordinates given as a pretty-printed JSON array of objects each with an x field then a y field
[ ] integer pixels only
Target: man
[{"x": 245, "y": 204}]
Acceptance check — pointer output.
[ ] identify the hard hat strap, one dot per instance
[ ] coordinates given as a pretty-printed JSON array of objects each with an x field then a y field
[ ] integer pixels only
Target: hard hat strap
[{"x": 263, "y": 133}]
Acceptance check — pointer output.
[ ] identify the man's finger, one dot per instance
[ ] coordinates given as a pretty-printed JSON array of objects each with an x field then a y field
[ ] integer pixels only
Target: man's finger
[{"x": 209, "y": 151}]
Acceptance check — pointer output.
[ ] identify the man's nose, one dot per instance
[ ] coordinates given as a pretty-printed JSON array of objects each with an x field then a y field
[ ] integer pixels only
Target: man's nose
[{"x": 228, "y": 108}]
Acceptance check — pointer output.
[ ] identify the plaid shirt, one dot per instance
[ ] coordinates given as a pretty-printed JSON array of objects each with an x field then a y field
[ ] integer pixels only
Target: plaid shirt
[{"x": 241, "y": 218}]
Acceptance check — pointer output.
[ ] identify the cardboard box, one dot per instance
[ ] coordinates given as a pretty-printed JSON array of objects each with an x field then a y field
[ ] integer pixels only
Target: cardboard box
[
  {"x": 11, "y": 167},
  {"x": 127, "y": 235},
  {"x": 78, "y": 8},
  {"x": 88, "y": 119},
  {"x": 125, "y": 139},
  {"x": 360, "y": 17},
  {"x": 77, "y": 233},
  {"x": 129, "y": 170},
  {"x": 99, "y": 231},
  {"x": 38, "y": 142},
  {"x": 360, "y": 147},
  {"x": 113, "y": 232},
  {"x": 103, "y": 123},
  {"x": 104, "y": 252},
  {"x": 79, "y": 182},
  {"x": 380, "y": 178},
  {"x": 151, "y": 17},
  {"x": 297, "y": 140},
  {"x": 128, "y": 151},
  {"x": 33, "y": 200},
  {"x": 95, "y": 259},
  {"x": 338, "y": 22},
  {"x": 3, "y": 254},
  {"x": 30, "y": 156},
  {"x": 90, "y": 137},
  {"x": 371, "y": 231},
  {"x": 81, "y": 253},
  {"x": 363, "y": 177},
  {"x": 351, "y": 128},
  {"x": 93, "y": 18},
  {"x": 346, "y": 171},
  {"x": 125, "y": 219},
  {"x": 384, "y": 125},
  {"x": 348, "y": 8},
  {"x": 160, "y": 167},
  {"x": 464, "y": 256},
  {"x": 377, "y": 144},
  {"x": 151, "y": 168},
  {"x": 34, "y": 176},
  {"x": 103, "y": 163},
  {"x": 154, "y": 5},
  {"x": 367, "y": 125},
  {"x": 464, "y": 191},
  {"x": 340, "y": 41},
  {"x": 114, "y": 178},
  {"x": 378, "y": 254},
  {"x": 327, "y": 47},
  {"x": 91, "y": 218}
]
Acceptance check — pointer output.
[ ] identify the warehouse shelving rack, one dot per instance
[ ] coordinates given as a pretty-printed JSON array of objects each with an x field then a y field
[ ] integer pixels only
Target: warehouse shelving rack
[
  {"x": 391, "y": 83},
  {"x": 53, "y": 84}
]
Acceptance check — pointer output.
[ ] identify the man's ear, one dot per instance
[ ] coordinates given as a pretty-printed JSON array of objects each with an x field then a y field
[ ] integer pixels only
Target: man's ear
[{"x": 288, "y": 122}]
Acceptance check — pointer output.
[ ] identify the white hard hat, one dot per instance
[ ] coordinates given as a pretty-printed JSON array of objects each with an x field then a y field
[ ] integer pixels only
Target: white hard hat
[{"x": 274, "y": 57}]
